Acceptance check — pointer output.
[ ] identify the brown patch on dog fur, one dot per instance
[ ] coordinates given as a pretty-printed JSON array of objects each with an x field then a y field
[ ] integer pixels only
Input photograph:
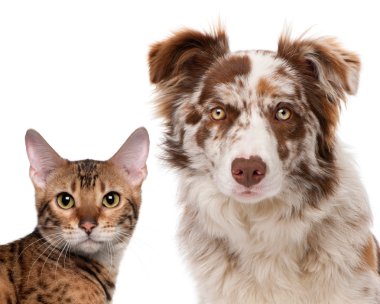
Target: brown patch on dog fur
[
  {"x": 222, "y": 126},
  {"x": 202, "y": 134},
  {"x": 292, "y": 129},
  {"x": 225, "y": 125},
  {"x": 225, "y": 70},
  {"x": 174, "y": 152},
  {"x": 369, "y": 254},
  {"x": 377, "y": 254},
  {"x": 318, "y": 185},
  {"x": 266, "y": 88},
  {"x": 193, "y": 117}
]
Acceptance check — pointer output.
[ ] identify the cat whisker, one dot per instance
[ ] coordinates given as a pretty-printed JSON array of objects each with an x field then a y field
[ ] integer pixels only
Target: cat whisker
[
  {"x": 35, "y": 261},
  {"x": 56, "y": 264},
  {"x": 67, "y": 251},
  {"x": 109, "y": 252},
  {"x": 39, "y": 240},
  {"x": 121, "y": 241},
  {"x": 52, "y": 250}
]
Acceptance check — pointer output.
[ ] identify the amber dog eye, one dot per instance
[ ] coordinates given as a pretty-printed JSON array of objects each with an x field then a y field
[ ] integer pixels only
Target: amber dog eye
[
  {"x": 218, "y": 113},
  {"x": 111, "y": 200},
  {"x": 65, "y": 200},
  {"x": 283, "y": 114}
]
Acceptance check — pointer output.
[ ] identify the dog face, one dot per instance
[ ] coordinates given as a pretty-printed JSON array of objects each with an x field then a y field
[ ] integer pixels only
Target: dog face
[{"x": 257, "y": 124}]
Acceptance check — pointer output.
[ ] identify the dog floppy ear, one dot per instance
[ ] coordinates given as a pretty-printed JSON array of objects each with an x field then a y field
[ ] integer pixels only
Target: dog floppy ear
[
  {"x": 186, "y": 55},
  {"x": 335, "y": 69},
  {"x": 327, "y": 72}
]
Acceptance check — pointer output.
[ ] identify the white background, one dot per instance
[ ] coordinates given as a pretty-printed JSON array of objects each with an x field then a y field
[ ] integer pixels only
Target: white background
[{"x": 76, "y": 71}]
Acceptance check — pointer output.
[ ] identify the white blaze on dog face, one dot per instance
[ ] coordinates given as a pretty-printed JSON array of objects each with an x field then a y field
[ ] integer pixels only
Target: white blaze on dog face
[{"x": 256, "y": 124}]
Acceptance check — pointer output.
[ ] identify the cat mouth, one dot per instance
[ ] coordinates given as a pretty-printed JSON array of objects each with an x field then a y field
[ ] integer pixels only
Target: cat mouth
[{"x": 90, "y": 240}]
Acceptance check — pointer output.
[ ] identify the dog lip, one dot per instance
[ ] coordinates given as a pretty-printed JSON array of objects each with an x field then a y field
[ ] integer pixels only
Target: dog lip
[{"x": 248, "y": 192}]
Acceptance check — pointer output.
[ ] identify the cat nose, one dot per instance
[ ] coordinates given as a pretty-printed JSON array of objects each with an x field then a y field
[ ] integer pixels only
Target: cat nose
[{"x": 87, "y": 226}]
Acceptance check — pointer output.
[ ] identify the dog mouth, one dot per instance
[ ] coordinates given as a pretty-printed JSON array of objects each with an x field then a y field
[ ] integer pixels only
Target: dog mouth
[
  {"x": 255, "y": 193},
  {"x": 249, "y": 192}
]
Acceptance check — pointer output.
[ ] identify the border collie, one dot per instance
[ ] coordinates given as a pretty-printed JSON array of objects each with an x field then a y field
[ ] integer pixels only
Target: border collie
[{"x": 273, "y": 208}]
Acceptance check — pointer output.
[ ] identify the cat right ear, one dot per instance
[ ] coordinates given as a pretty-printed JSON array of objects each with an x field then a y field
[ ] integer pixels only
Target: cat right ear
[
  {"x": 132, "y": 156},
  {"x": 42, "y": 158}
]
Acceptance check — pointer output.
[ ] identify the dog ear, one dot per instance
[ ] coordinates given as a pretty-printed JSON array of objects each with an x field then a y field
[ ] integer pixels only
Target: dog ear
[
  {"x": 335, "y": 69},
  {"x": 185, "y": 56},
  {"x": 328, "y": 72}
]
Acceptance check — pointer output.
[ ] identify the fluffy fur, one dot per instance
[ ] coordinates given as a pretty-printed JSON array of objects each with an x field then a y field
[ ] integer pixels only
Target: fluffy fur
[{"x": 295, "y": 229}]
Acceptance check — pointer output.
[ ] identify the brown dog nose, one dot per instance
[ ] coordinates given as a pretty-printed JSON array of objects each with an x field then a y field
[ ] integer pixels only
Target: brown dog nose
[
  {"x": 248, "y": 172},
  {"x": 87, "y": 226}
]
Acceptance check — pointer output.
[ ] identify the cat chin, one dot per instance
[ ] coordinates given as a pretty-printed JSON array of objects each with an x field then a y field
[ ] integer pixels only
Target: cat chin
[{"x": 88, "y": 247}]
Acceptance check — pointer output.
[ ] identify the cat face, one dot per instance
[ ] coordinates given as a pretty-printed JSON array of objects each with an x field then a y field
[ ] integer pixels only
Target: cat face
[{"x": 88, "y": 206}]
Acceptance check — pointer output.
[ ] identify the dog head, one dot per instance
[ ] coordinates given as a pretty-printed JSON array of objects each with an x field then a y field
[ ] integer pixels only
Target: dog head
[{"x": 258, "y": 124}]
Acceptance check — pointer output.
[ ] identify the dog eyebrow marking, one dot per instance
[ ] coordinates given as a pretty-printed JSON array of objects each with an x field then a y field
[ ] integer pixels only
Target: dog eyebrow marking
[
  {"x": 265, "y": 87},
  {"x": 225, "y": 70}
]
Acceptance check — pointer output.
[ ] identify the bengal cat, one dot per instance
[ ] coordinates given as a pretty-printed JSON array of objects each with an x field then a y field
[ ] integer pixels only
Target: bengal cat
[{"x": 87, "y": 211}]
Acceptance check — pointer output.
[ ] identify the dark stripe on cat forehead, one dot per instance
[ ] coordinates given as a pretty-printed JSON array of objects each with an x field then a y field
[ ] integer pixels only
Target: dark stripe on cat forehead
[{"x": 87, "y": 171}]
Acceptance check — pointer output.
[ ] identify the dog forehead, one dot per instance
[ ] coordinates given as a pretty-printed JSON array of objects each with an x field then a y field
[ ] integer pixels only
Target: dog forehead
[{"x": 248, "y": 75}]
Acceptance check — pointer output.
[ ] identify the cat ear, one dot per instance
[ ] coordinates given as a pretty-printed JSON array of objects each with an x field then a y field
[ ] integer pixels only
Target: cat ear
[
  {"x": 42, "y": 158},
  {"x": 132, "y": 156}
]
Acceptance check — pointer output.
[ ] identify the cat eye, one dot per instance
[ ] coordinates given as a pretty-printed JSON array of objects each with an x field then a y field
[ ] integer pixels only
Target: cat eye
[
  {"x": 65, "y": 200},
  {"x": 111, "y": 200},
  {"x": 218, "y": 113},
  {"x": 283, "y": 114}
]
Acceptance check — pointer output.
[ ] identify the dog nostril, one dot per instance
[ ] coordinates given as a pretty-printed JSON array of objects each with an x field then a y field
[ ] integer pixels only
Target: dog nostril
[
  {"x": 257, "y": 172},
  {"x": 237, "y": 172}
]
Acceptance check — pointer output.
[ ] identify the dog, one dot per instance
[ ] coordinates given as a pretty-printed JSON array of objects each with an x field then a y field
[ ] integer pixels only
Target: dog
[{"x": 273, "y": 208}]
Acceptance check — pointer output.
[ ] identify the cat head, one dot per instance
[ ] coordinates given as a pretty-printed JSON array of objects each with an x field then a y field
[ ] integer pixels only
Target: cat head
[{"x": 88, "y": 205}]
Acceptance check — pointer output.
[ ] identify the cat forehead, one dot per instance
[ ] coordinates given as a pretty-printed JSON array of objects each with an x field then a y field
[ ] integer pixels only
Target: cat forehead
[
  {"x": 88, "y": 172},
  {"x": 86, "y": 175}
]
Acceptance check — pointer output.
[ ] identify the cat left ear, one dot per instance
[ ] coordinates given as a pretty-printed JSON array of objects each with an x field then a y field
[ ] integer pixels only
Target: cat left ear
[
  {"x": 132, "y": 156},
  {"x": 42, "y": 158}
]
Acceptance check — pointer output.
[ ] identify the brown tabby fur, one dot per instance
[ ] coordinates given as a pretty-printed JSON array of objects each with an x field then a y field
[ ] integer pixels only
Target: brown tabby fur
[{"x": 40, "y": 268}]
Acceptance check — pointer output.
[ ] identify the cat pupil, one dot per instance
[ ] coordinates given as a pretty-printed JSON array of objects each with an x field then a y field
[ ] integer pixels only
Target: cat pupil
[
  {"x": 66, "y": 200},
  {"x": 110, "y": 199}
]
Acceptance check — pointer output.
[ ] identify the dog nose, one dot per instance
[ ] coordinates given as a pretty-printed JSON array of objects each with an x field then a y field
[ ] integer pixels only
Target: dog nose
[
  {"x": 87, "y": 226},
  {"x": 248, "y": 172}
]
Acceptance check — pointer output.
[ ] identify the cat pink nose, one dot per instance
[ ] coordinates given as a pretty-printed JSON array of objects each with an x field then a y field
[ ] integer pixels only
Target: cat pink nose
[{"x": 87, "y": 226}]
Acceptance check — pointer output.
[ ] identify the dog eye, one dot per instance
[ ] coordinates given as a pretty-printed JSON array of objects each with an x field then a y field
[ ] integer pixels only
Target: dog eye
[
  {"x": 283, "y": 114},
  {"x": 218, "y": 113}
]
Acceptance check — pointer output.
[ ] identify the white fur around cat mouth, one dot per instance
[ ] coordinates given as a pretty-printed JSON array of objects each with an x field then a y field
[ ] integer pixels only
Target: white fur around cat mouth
[{"x": 89, "y": 245}]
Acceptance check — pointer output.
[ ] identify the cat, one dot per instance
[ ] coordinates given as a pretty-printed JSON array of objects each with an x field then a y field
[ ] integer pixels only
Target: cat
[{"x": 87, "y": 211}]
